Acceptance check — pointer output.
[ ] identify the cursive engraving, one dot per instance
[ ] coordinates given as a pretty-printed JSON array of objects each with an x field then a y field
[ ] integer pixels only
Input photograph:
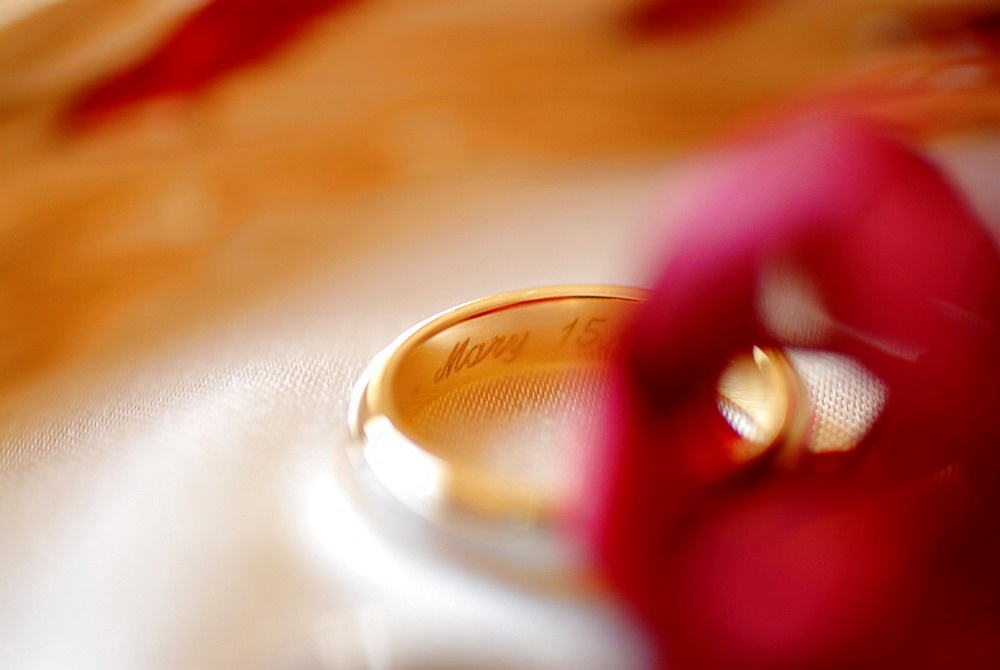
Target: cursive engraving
[{"x": 502, "y": 347}]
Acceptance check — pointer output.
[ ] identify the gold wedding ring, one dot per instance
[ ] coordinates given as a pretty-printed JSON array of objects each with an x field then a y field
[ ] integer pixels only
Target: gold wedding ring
[
  {"x": 423, "y": 410},
  {"x": 462, "y": 418}
]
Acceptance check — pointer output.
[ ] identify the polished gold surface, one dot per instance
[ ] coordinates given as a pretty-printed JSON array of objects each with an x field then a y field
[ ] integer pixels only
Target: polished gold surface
[
  {"x": 469, "y": 412},
  {"x": 760, "y": 397},
  {"x": 485, "y": 412},
  {"x": 792, "y": 401}
]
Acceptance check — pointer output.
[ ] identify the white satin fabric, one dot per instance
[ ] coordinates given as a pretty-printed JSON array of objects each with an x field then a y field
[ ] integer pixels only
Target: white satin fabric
[{"x": 188, "y": 503}]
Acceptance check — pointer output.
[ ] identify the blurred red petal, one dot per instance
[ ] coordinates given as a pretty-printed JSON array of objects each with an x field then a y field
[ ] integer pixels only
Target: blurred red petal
[
  {"x": 909, "y": 284},
  {"x": 683, "y": 17},
  {"x": 222, "y": 36}
]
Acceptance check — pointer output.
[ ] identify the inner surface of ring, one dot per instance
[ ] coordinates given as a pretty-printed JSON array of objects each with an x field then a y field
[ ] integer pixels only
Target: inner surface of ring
[{"x": 516, "y": 392}]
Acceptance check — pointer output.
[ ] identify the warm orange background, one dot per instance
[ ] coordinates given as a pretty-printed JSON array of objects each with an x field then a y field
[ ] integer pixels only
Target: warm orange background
[{"x": 179, "y": 208}]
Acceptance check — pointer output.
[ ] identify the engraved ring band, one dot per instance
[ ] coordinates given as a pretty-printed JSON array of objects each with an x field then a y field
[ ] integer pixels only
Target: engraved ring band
[
  {"x": 416, "y": 412},
  {"x": 494, "y": 337}
]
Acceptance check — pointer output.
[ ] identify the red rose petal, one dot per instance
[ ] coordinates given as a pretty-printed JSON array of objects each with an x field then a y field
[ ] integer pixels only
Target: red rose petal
[
  {"x": 684, "y": 17},
  {"x": 837, "y": 560},
  {"x": 222, "y": 36}
]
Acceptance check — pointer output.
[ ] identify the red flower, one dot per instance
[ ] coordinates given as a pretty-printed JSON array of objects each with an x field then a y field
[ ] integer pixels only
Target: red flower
[
  {"x": 684, "y": 17},
  {"x": 843, "y": 243},
  {"x": 218, "y": 38}
]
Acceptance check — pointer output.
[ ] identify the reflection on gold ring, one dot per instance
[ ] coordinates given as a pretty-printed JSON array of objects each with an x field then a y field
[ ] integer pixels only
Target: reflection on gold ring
[
  {"x": 453, "y": 418},
  {"x": 513, "y": 340}
]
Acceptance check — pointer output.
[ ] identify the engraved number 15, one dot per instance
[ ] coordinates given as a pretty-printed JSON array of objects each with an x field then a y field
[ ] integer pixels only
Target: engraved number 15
[{"x": 589, "y": 335}]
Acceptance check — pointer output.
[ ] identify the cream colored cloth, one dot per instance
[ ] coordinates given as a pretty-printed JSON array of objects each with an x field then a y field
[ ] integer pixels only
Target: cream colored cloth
[{"x": 189, "y": 504}]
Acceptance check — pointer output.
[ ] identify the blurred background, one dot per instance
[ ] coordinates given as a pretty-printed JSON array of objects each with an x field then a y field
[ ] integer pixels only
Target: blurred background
[
  {"x": 213, "y": 213},
  {"x": 157, "y": 154}
]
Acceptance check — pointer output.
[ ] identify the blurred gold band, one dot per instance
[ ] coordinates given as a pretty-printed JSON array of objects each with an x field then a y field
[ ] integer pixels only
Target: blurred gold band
[{"x": 488, "y": 338}]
